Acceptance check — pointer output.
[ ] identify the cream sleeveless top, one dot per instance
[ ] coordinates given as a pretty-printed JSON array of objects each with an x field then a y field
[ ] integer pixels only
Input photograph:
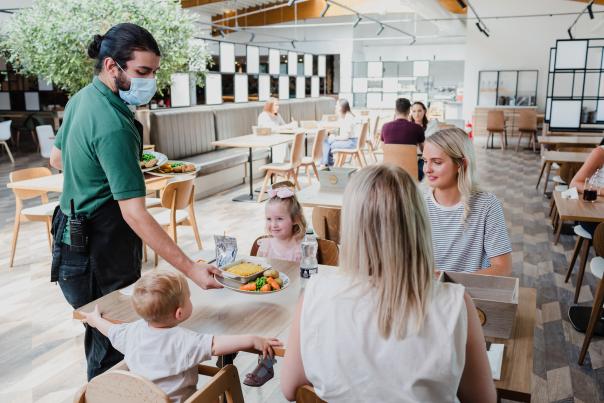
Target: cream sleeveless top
[{"x": 346, "y": 359}]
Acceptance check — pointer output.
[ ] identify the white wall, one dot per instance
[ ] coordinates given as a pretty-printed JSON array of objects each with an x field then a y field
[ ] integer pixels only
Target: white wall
[{"x": 521, "y": 43}]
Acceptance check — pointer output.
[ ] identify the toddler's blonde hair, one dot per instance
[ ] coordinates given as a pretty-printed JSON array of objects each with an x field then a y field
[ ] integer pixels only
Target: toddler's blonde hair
[{"x": 158, "y": 294}]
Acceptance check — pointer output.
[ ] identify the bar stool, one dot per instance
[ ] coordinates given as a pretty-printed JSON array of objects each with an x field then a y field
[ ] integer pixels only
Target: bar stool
[{"x": 496, "y": 124}]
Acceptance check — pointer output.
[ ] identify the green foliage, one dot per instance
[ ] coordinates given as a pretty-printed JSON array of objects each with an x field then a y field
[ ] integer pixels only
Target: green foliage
[{"x": 50, "y": 39}]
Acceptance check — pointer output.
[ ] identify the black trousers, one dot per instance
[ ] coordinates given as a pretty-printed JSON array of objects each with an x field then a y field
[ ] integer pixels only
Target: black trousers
[{"x": 79, "y": 286}]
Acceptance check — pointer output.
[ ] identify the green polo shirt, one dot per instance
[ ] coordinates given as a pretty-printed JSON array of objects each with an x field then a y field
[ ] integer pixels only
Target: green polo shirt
[{"x": 100, "y": 148}]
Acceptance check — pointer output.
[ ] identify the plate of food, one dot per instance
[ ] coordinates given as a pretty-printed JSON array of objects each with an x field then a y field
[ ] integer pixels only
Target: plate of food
[
  {"x": 152, "y": 160},
  {"x": 175, "y": 168},
  {"x": 268, "y": 282}
]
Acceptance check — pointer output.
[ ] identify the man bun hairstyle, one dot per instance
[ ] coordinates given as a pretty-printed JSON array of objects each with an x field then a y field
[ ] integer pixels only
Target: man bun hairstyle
[{"x": 119, "y": 42}]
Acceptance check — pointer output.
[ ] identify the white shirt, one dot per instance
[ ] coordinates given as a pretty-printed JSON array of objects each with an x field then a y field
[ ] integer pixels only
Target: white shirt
[
  {"x": 431, "y": 127},
  {"x": 346, "y": 359},
  {"x": 467, "y": 246},
  {"x": 167, "y": 357},
  {"x": 347, "y": 127},
  {"x": 266, "y": 119}
]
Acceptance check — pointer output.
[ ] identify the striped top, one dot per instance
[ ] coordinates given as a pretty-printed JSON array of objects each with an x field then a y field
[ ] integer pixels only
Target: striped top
[{"x": 468, "y": 246}]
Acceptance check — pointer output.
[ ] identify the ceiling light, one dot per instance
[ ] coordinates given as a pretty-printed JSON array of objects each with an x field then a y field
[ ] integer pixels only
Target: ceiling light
[
  {"x": 324, "y": 11},
  {"x": 358, "y": 20},
  {"x": 221, "y": 33},
  {"x": 291, "y": 3},
  {"x": 412, "y": 42},
  {"x": 461, "y": 3},
  {"x": 293, "y": 45},
  {"x": 589, "y": 10},
  {"x": 252, "y": 36},
  {"x": 570, "y": 34},
  {"x": 380, "y": 30}
]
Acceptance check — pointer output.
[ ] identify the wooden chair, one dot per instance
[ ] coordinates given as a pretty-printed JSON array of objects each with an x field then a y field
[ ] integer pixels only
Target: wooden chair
[
  {"x": 402, "y": 155},
  {"x": 496, "y": 124},
  {"x": 5, "y": 134},
  {"x": 527, "y": 124},
  {"x": 285, "y": 169},
  {"x": 373, "y": 143},
  {"x": 597, "y": 269},
  {"x": 356, "y": 153},
  {"x": 317, "y": 154},
  {"x": 42, "y": 213},
  {"x": 306, "y": 394},
  {"x": 326, "y": 223},
  {"x": 120, "y": 385},
  {"x": 177, "y": 208},
  {"x": 328, "y": 252}
]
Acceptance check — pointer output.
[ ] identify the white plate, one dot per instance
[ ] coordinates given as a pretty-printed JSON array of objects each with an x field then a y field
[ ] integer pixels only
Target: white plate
[
  {"x": 161, "y": 158},
  {"x": 171, "y": 175},
  {"x": 234, "y": 285}
]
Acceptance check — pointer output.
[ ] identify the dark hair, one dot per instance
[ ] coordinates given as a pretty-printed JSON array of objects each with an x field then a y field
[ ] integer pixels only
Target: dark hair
[
  {"x": 119, "y": 43},
  {"x": 344, "y": 106},
  {"x": 425, "y": 119},
  {"x": 402, "y": 106}
]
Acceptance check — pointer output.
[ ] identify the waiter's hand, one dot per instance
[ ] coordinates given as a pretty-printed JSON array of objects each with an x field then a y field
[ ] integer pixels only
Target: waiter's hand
[{"x": 202, "y": 274}]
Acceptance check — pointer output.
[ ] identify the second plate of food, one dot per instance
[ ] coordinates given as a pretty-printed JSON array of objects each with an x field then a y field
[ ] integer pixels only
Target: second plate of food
[
  {"x": 175, "y": 168},
  {"x": 271, "y": 281},
  {"x": 152, "y": 160}
]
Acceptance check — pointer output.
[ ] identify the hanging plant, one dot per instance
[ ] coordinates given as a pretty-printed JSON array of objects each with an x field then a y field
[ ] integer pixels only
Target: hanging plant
[{"x": 50, "y": 38}]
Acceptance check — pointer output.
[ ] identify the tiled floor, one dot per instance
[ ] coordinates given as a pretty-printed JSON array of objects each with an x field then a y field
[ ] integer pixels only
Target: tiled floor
[{"x": 41, "y": 348}]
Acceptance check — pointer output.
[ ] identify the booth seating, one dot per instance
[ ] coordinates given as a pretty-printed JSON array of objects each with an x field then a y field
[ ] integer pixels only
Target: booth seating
[{"x": 188, "y": 133}]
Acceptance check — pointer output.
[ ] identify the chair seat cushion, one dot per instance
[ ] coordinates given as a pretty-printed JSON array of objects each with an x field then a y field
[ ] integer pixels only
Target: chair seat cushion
[
  {"x": 219, "y": 160},
  {"x": 45, "y": 209},
  {"x": 277, "y": 166},
  {"x": 344, "y": 150},
  {"x": 580, "y": 231},
  {"x": 307, "y": 161},
  {"x": 597, "y": 266},
  {"x": 162, "y": 216}
]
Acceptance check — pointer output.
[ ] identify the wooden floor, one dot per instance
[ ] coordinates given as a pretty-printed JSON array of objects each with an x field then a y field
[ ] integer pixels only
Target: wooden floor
[{"x": 41, "y": 347}]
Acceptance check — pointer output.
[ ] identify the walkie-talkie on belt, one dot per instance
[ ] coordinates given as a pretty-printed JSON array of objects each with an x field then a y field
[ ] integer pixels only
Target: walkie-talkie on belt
[{"x": 78, "y": 231}]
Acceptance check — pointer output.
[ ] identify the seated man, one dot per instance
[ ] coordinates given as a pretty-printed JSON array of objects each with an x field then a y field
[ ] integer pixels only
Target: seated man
[{"x": 402, "y": 131}]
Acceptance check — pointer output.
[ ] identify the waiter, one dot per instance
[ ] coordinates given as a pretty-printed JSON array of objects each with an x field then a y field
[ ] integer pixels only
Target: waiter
[{"x": 101, "y": 219}]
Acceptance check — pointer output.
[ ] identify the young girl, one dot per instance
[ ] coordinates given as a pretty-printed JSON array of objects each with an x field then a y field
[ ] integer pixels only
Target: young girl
[
  {"x": 286, "y": 225},
  {"x": 468, "y": 226}
]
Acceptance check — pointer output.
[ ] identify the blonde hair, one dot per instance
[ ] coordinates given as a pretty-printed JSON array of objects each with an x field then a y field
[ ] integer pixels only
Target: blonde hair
[
  {"x": 456, "y": 144},
  {"x": 268, "y": 105},
  {"x": 294, "y": 209},
  {"x": 386, "y": 242},
  {"x": 158, "y": 294}
]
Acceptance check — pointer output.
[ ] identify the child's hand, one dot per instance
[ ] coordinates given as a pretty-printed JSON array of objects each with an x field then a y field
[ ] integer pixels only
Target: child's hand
[
  {"x": 93, "y": 317},
  {"x": 266, "y": 345}
]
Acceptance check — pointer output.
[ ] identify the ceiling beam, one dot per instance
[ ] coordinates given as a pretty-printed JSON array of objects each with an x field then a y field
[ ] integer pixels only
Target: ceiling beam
[{"x": 195, "y": 3}]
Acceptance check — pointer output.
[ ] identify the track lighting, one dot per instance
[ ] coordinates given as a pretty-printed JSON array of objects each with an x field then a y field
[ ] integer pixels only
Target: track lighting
[
  {"x": 570, "y": 34},
  {"x": 324, "y": 11},
  {"x": 589, "y": 10},
  {"x": 358, "y": 20},
  {"x": 293, "y": 44},
  {"x": 380, "y": 30},
  {"x": 221, "y": 33},
  {"x": 291, "y": 3},
  {"x": 252, "y": 36},
  {"x": 481, "y": 29},
  {"x": 461, "y": 3}
]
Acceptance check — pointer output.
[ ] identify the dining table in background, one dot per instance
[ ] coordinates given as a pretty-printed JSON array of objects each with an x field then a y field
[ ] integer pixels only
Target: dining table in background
[
  {"x": 225, "y": 311},
  {"x": 549, "y": 157},
  {"x": 566, "y": 141},
  {"x": 315, "y": 196},
  {"x": 251, "y": 141}
]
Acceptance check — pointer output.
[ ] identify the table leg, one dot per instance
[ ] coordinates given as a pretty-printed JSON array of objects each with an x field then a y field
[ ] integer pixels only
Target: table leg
[
  {"x": 547, "y": 172},
  {"x": 541, "y": 174},
  {"x": 248, "y": 197}
]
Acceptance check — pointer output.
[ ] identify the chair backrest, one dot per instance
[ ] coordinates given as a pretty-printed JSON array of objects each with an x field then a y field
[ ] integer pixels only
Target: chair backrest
[
  {"x": 297, "y": 149},
  {"x": 306, "y": 394},
  {"x": 46, "y": 137},
  {"x": 255, "y": 246},
  {"x": 328, "y": 252},
  {"x": 309, "y": 124},
  {"x": 527, "y": 120},
  {"x": 599, "y": 240},
  {"x": 376, "y": 130},
  {"x": 495, "y": 121},
  {"x": 25, "y": 174},
  {"x": 120, "y": 386},
  {"x": 178, "y": 195},
  {"x": 402, "y": 155},
  {"x": 5, "y": 130},
  {"x": 224, "y": 382},
  {"x": 326, "y": 223},
  {"x": 317, "y": 146},
  {"x": 363, "y": 135}
]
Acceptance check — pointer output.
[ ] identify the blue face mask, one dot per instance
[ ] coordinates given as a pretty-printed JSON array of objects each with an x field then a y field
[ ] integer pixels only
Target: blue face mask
[{"x": 141, "y": 90}]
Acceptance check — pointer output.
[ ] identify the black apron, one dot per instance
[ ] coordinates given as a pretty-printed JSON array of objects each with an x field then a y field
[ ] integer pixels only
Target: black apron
[{"x": 114, "y": 249}]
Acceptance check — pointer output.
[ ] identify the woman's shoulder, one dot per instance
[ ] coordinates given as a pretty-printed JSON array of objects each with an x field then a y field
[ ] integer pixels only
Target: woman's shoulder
[{"x": 484, "y": 198}]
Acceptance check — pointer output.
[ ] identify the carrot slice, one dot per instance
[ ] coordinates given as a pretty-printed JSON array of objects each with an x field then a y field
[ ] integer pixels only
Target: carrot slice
[
  {"x": 248, "y": 287},
  {"x": 266, "y": 288},
  {"x": 273, "y": 283}
]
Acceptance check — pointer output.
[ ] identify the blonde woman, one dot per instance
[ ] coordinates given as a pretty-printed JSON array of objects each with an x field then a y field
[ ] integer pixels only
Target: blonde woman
[
  {"x": 468, "y": 226},
  {"x": 380, "y": 328}
]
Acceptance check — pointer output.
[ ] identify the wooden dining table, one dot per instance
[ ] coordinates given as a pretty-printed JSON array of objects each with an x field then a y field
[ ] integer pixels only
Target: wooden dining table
[
  {"x": 549, "y": 157},
  {"x": 315, "y": 196},
  {"x": 570, "y": 140},
  {"x": 251, "y": 141},
  {"x": 225, "y": 311},
  {"x": 54, "y": 183}
]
